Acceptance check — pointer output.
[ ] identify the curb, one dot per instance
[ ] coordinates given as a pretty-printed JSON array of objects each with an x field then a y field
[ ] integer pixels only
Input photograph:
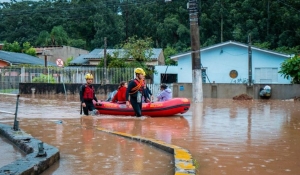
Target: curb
[
  {"x": 31, "y": 164},
  {"x": 182, "y": 158}
]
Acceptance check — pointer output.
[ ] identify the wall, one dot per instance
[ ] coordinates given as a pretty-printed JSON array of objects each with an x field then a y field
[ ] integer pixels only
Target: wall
[
  {"x": 279, "y": 91},
  {"x": 63, "y": 53},
  {"x": 71, "y": 89},
  {"x": 162, "y": 70},
  {"x": 3, "y": 63},
  {"x": 221, "y": 60},
  {"x": 185, "y": 69}
]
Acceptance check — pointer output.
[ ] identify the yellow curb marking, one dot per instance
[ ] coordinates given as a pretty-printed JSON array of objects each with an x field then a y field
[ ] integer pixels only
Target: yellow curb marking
[{"x": 180, "y": 154}]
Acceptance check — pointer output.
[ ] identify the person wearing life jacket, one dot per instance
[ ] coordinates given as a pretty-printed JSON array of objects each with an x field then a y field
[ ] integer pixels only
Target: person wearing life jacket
[
  {"x": 87, "y": 95},
  {"x": 135, "y": 90},
  {"x": 120, "y": 96}
]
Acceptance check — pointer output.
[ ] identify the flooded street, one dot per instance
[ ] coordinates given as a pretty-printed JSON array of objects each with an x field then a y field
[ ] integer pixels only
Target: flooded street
[{"x": 224, "y": 136}]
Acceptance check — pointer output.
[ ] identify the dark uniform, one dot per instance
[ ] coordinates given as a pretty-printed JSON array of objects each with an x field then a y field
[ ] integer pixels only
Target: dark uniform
[
  {"x": 135, "y": 91},
  {"x": 147, "y": 94},
  {"x": 87, "y": 95}
]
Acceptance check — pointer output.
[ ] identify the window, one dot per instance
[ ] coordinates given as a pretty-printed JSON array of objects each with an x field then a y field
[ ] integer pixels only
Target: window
[
  {"x": 168, "y": 78},
  {"x": 266, "y": 75}
]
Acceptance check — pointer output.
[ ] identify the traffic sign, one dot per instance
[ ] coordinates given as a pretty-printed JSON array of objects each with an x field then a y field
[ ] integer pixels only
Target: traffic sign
[{"x": 59, "y": 62}]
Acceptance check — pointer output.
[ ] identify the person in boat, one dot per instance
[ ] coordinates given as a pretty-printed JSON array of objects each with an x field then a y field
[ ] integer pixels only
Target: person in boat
[
  {"x": 148, "y": 97},
  {"x": 165, "y": 93},
  {"x": 135, "y": 90},
  {"x": 120, "y": 96},
  {"x": 87, "y": 95}
]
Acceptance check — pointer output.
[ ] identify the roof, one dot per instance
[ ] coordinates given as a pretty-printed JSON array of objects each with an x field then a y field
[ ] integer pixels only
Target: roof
[
  {"x": 21, "y": 58},
  {"x": 99, "y": 54},
  {"x": 176, "y": 57}
]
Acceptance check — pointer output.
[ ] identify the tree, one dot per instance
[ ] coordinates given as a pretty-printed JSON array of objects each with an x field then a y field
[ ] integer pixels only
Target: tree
[
  {"x": 59, "y": 36},
  {"x": 15, "y": 47},
  {"x": 167, "y": 53},
  {"x": 12, "y": 47},
  {"x": 290, "y": 68},
  {"x": 43, "y": 39},
  {"x": 139, "y": 51}
]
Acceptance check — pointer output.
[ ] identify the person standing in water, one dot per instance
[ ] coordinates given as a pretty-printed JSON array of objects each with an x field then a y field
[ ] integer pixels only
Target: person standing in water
[
  {"x": 135, "y": 90},
  {"x": 87, "y": 95}
]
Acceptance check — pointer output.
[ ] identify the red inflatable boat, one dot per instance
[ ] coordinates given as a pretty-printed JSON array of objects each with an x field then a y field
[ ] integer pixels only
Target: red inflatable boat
[{"x": 156, "y": 109}]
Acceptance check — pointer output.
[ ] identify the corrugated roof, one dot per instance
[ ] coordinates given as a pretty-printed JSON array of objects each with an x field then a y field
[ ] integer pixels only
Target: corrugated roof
[
  {"x": 80, "y": 60},
  {"x": 21, "y": 58},
  {"x": 99, "y": 53}
]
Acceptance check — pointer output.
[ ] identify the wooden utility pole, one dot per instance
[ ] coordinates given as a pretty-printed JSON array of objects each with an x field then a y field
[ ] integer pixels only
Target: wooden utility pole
[
  {"x": 249, "y": 61},
  {"x": 195, "y": 48},
  {"x": 105, "y": 46}
]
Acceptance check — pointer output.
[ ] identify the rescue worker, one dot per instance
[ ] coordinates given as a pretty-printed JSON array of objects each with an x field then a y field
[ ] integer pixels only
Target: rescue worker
[
  {"x": 87, "y": 95},
  {"x": 135, "y": 91}
]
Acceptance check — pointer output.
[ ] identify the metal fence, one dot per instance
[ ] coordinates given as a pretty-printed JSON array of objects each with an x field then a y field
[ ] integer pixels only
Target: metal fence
[{"x": 11, "y": 77}]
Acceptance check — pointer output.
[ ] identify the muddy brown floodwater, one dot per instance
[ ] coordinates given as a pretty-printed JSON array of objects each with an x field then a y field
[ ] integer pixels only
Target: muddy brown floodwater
[{"x": 224, "y": 137}]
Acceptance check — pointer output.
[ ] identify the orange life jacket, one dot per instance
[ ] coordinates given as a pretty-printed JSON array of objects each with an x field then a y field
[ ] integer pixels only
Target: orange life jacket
[
  {"x": 88, "y": 93},
  {"x": 139, "y": 86}
]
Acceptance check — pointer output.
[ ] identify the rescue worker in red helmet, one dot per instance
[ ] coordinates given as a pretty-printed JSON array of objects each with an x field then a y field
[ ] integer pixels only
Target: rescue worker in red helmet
[
  {"x": 135, "y": 91},
  {"x": 87, "y": 95}
]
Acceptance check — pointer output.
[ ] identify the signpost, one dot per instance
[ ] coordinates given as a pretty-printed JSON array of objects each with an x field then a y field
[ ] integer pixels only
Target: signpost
[{"x": 60, "y": 63}]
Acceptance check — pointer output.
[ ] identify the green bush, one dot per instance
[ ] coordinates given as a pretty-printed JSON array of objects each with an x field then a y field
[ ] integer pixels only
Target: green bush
[{"x": 43, "y": 79}]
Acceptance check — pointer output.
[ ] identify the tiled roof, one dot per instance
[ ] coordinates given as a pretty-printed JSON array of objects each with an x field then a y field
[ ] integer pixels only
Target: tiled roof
[
  {"x": 21, "y": 58},
  {"x": 99, "y": 53}
]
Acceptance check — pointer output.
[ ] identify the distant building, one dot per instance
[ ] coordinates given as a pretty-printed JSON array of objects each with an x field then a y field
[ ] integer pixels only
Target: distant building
[
  {"x": 13, "y": 58},
  {"x": 93, "y": 58},
  {"x": 62, "y": 52},
  {"x": 226, "y": 63}
]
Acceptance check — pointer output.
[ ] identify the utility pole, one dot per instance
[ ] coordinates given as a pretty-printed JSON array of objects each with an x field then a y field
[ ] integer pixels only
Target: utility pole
[
  {"x": 105, "y": 46},
  {"x": 195, "y": 49},
  {"x": 249, "y": 61},
  {"x": 222, "y": 21}
]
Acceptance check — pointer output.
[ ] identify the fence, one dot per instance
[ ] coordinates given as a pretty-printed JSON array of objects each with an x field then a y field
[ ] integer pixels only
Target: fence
[
  {"x": 16, "y": 122},
  {"x": 12, "y": 76}
]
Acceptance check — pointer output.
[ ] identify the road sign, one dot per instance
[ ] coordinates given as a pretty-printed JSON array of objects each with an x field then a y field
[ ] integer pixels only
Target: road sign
[{"x": 59, "y": 62}]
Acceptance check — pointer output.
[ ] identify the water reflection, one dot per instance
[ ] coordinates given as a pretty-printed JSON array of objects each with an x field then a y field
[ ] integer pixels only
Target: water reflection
[{"x": 223, "y": 135}]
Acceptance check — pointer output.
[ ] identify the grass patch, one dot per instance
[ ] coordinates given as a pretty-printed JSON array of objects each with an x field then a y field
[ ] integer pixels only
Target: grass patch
[{"x": 8, "y": 90}]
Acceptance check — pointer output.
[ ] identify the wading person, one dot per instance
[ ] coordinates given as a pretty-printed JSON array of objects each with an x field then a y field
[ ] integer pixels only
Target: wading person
[
  {"x": 120, "y": 96},
  {"x": 135, "y": 90},
  {"x": 87, "y": 95}
]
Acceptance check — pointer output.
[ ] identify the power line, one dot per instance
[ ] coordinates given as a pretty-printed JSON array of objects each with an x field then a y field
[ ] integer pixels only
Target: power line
[{"x": 288, "y": 5}]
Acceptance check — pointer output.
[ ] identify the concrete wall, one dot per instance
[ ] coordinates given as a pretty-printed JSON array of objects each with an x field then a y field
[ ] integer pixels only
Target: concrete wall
[
  {"x": 63, "y": 53},
  {"x": 279, "y": 91}
]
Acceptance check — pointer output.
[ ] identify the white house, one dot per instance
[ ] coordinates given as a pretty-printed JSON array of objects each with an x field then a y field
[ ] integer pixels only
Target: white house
[{"x": 227, "y": 63}]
